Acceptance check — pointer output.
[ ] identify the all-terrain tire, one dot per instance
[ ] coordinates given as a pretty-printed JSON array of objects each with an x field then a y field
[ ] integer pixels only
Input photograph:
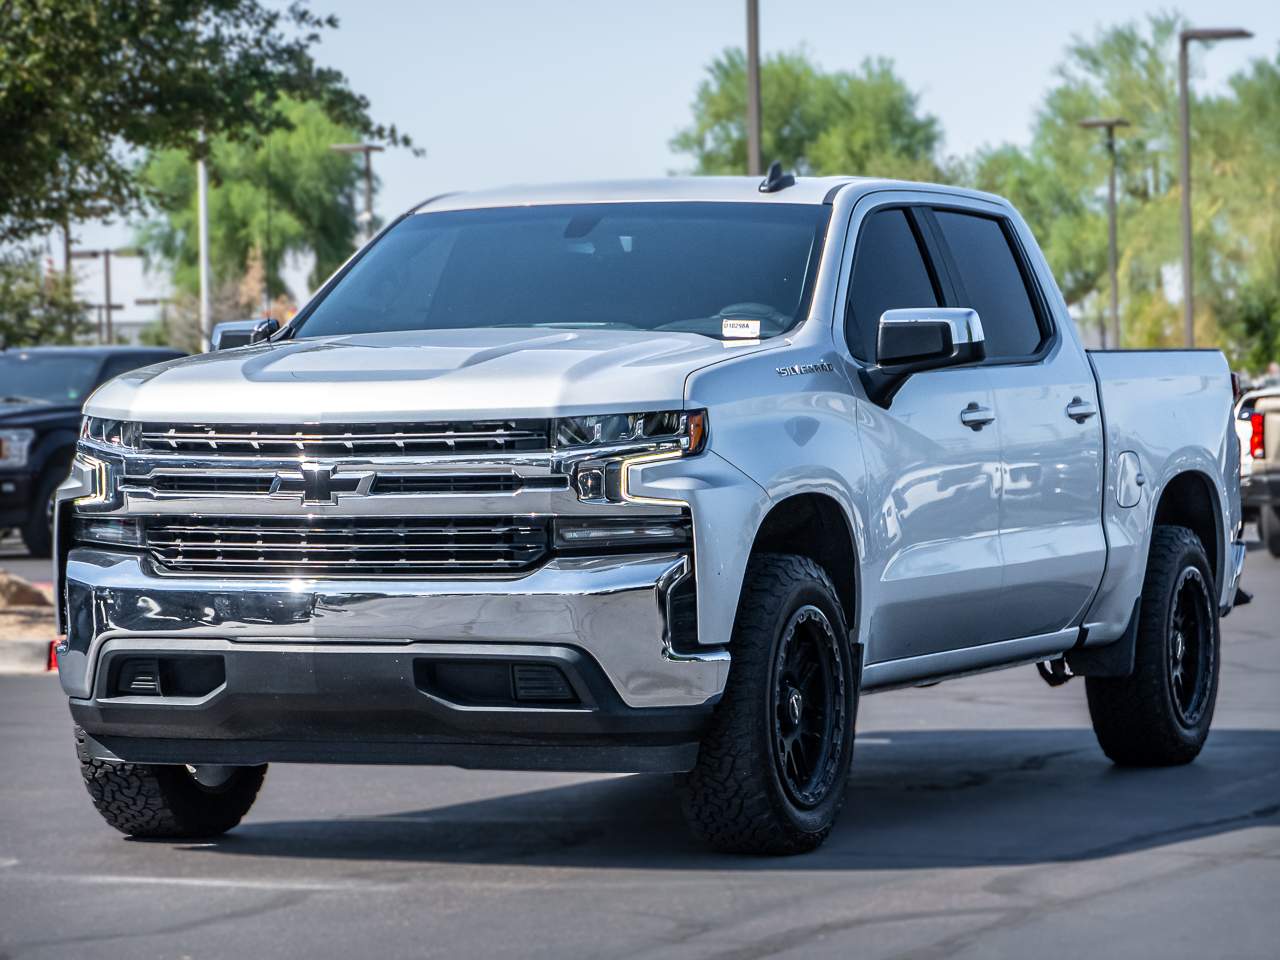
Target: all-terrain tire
[
  {"x": 1139, "y": 720},
  {"x": 740, "y": 797},
  {"x": 1269, "y": 528},
  {"x": 166, "y": 802}
]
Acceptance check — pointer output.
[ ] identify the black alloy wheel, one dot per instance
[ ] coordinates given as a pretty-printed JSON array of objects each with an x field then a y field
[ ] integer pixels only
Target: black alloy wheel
[
  {"x": 809, "y": 699},
  {"x": 1191, "y": 643}
]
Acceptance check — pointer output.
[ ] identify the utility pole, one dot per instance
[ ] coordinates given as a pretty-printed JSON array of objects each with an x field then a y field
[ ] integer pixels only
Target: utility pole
[
  {"x": 1184, "y": 110},
  {"x": 1109, "y": 124},
  {"x": 202, "y": 231},
  {"x": 106, "y": 333},
  {"x": 368, "y": 149},
  {"x": 753, "y": 88}
]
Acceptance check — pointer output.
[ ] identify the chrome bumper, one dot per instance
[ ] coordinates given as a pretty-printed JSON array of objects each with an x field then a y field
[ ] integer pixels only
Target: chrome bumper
[{"x": 611, "y": 608}]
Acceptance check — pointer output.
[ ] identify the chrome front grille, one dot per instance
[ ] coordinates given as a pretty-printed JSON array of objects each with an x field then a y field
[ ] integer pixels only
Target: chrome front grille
[
  {"x": 445, "y": 438},
  {"x": 346, "y": 547},
  {"x": 252, "y": 482}
]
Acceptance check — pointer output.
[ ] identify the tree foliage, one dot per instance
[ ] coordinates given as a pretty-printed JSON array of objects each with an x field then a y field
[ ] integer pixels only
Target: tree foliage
[
  {"x": 865, "y": 121},
  {"x": 282, "y": 196},
  {"x": 85, "y": 84},
  {"x": 37, "y": 306}
]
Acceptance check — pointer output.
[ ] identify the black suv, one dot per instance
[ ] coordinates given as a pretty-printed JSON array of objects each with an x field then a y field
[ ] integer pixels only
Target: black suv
[{"x": 41, "y": 392}]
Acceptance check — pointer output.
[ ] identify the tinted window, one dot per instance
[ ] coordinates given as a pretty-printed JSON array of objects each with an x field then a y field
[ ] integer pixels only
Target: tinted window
[
  {"x": 628, "y": 266},
  {"x": 889, "y": 273},
  {"x": 991, "y": 283},
  {"x": 58, "y": 378}
]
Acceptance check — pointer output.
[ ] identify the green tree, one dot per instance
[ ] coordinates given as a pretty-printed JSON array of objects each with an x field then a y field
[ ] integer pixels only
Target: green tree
[
  {"x": 85, "y": 84},
  {"x": 284, "y": 195},
  {"x": 865, "y": 121},
  {"x": 37, "y": 307}
]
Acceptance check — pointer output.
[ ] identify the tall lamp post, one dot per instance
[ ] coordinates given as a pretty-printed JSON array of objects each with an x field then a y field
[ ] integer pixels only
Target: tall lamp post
[
  {"x": 368, "y": 149},
  {"x": 1184, "y": 105},
  {"x": 1109, "y": 124}
]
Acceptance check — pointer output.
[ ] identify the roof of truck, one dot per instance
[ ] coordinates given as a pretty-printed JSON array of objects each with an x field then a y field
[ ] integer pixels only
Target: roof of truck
[{"x": 814, "y": 190}]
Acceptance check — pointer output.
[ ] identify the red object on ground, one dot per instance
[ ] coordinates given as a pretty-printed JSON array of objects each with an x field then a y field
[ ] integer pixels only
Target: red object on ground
[{"x": 52, "y": 662}]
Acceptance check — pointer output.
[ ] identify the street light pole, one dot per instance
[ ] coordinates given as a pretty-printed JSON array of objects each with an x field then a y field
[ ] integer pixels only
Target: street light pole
[
  {"x": 753, "y": 88},
  {"x": 368, "y": 149},
  {"x": 1109, "y": 124},
  {"x": 202, "y": 233},
  {"x": 1184, "y": 111}
]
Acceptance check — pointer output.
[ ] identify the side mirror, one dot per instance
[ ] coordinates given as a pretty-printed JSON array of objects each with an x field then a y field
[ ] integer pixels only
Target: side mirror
[
  {"x": 919, "y": 339},
  {"x": 240, "y": 333}
]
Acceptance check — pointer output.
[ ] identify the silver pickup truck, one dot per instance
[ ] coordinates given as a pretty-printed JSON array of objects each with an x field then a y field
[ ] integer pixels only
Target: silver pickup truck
[{"x": 642, "y": 476}]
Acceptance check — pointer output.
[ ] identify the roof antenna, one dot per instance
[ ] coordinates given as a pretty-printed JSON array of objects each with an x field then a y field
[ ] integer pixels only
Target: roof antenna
[{"x": 776, "y": 180}]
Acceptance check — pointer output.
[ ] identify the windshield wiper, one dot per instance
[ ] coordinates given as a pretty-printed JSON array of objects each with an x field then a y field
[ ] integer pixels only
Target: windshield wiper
[{"x": 16, "y": 398}]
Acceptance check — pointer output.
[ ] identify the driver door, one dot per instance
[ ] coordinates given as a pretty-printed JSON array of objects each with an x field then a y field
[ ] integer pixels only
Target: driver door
[{"x": 934, "y": 565}]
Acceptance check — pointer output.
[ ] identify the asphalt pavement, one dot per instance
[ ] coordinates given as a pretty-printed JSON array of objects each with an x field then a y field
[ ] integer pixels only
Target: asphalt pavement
[{"x": 983, "y": 821}]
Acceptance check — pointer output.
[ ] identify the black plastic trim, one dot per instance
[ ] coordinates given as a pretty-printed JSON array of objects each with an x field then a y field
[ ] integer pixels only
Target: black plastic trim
[
  {"x": 318, "y": 703},
  {"x": 1114, "y": 659}
]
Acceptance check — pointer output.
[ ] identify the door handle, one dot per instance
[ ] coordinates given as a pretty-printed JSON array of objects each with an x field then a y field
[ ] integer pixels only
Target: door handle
[
  {"x": 975, "y": 417},
  {"x": 1081, "y": 410}
]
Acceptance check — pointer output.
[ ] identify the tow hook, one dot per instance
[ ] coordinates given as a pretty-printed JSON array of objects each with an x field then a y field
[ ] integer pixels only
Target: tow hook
[{"x": 1054, "y": 672}]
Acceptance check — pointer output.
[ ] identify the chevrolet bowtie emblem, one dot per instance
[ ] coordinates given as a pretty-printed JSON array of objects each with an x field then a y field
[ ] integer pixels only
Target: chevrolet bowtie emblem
[{"x": 315, "y": 483}]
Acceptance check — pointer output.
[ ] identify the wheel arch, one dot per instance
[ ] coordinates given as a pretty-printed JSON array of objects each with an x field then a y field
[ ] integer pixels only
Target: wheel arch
[
  {"x": 815, "y": 525},
  {"x": 1190, "y": 499}
]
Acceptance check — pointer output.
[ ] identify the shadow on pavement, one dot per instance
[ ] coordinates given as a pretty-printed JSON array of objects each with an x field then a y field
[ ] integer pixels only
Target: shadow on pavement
[{"x": 919, "y": 801}]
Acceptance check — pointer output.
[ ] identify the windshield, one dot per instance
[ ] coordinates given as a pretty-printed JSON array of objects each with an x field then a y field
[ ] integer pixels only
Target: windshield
[
  {"x": 628, "y": 266},
  {"x": 46, "y": 378}
]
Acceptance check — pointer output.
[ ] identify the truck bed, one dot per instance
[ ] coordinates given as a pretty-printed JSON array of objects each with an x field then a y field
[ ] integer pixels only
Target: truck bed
[{"x": 1172, "y": 410}]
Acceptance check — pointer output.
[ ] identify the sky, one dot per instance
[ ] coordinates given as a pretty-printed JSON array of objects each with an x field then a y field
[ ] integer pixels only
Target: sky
[{"x": 520, "y": 92}]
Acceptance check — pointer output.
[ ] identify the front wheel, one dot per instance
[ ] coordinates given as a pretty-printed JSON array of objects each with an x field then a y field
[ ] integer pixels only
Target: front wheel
[
  {"x": 1160, "y": 714},
  {"x": 163, "y": 802},
  {"x": 771, "y": 770}
]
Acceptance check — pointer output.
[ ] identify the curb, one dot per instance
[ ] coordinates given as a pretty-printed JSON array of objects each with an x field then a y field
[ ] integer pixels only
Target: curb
[{"x": 24, "y": 656}]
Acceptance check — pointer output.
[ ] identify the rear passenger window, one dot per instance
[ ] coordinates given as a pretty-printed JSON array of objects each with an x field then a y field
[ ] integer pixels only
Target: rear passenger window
[
  {"x": 991, "y": 283},
  {"x": 889, "y": 273}
]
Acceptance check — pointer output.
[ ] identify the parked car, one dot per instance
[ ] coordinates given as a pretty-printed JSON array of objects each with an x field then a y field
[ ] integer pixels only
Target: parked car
[
  {"x": 1258, "y": 424},
  {"x": 41, "y": 391},
  {"x": 648, "y": 476}
]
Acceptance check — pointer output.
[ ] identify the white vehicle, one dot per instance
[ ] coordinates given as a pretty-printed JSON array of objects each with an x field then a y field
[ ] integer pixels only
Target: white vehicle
[{"x": 643, "y": 476}]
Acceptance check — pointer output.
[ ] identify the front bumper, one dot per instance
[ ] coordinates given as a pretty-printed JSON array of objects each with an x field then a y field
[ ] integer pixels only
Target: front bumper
[{"x": 332, "y": 670}]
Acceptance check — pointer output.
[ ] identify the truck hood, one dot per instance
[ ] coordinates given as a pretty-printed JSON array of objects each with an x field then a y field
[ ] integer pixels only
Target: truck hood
[{"x": 420, "y": 375}]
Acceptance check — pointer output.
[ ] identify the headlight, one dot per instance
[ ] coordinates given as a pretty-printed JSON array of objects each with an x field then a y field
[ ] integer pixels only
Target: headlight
[
  {"x": 110, "y": 531},
  {"x": 595, "y": 534},
  {"x": 15, "y": 445},
  {"x": 677, "y": 430},
  {"x": 113, "y": 433}
]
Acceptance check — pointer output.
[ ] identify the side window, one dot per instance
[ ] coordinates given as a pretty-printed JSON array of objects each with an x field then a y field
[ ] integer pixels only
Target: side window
[
  {"x": 991, "y": 282},
  {"x": 889, "y": 272}
]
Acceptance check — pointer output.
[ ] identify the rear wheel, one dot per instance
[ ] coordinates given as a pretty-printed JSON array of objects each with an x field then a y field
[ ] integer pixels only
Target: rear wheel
[
  {"x": 1269, "y": 528},
  {"x": 1160, "y": 714},
  {"x": 771, "y": 770},
  {"x": 157, "y": 801}
]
